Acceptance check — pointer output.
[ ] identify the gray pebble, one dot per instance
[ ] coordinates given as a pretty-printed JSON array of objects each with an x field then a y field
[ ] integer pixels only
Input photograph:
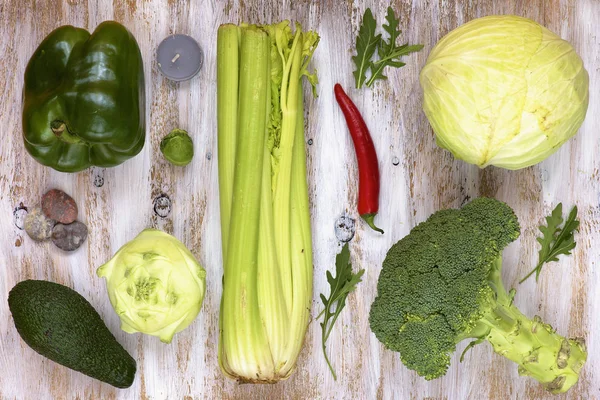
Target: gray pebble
[
  {"x": 37, "y": 225},
  {"x": 69, "y": 237}
]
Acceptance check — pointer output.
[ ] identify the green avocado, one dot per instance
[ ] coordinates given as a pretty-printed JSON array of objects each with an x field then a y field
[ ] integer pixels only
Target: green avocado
[{"x": 60, "y": 324}]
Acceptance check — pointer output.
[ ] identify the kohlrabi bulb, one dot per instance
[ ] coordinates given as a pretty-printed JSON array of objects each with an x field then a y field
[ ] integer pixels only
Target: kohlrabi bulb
[
  {"x": 155, "y": 285},
  {"x": 504, "y": 91}
]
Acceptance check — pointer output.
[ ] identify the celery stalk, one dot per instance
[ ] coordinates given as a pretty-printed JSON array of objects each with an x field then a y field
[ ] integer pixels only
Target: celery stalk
[
  {"x": 227, "y": 109},
  {"x": 301, "y": 250},
  {"x": 281, "y": 208},
  {"x": 274, "y": 314},
  {"x": 267, "y": 249},
  {"x": 244, "y": 346},
  {"x": 228, "y": 37}
]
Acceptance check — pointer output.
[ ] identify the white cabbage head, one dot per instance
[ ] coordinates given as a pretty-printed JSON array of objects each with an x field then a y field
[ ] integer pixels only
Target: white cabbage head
[{"x": 504, "y": 91}]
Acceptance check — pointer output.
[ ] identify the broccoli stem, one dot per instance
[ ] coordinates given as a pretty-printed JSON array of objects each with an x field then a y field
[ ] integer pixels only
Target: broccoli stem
[{"x": 539, "y": 351}]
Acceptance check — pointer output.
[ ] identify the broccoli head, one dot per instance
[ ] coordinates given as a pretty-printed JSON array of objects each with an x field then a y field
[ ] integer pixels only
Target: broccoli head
[{"x": 442, "y": 284}]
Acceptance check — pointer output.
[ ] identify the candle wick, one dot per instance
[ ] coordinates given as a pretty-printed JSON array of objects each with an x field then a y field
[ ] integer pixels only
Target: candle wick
[{"x": 175, "y": 58}]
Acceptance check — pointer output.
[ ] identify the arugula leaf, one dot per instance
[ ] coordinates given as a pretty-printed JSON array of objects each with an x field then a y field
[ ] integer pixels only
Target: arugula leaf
[
  {"x": 389, "y": 53},
  {"x": 366, "y": 44},
  {"x": 555, "y": 240},
  {"x": 342, "y": 284}
]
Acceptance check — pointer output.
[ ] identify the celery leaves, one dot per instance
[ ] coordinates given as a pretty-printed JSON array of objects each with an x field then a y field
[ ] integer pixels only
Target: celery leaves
[
  {"x": 555, "y": 240},
  {"x": 342, "y": 284},
  {"x": 388, "y": 52}
]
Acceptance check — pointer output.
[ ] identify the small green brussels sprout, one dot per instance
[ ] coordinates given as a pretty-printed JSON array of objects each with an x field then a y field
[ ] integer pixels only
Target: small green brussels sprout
[
  {"x": 177, "y": 147},
  {"x": 155, "y": 285}
]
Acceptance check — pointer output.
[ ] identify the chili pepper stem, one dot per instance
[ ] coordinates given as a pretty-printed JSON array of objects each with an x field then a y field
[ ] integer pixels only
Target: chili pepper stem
[{"x": 369, "y": 220}]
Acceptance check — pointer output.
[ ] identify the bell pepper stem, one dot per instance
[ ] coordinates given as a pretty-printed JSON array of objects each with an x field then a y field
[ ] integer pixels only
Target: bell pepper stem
[
  {"x": 369, "y": 220},
  {"x": 62, "y": 131}
]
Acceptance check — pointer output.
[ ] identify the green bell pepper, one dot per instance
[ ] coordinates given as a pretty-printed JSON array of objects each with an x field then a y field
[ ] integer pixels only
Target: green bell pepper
[{"x": 84, "y": 99}]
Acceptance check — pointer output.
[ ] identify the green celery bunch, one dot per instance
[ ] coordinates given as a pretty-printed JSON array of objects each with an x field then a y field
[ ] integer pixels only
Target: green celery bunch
[{"x": 265, "y": 220}]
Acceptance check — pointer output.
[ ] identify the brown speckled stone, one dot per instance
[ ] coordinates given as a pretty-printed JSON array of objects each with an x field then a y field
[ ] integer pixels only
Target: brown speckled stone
[{"x": 59, "y": 206}]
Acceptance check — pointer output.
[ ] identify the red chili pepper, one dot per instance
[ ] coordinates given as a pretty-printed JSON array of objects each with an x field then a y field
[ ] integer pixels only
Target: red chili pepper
[{"x": 368, "y": 168}]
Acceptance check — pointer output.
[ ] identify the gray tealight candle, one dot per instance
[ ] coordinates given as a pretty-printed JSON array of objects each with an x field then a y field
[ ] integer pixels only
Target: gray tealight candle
[{"x": 179, "y": 57}]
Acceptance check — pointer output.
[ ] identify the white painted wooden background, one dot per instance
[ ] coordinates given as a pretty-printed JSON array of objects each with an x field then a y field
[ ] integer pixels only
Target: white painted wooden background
[{"x": 425, "y": 180}]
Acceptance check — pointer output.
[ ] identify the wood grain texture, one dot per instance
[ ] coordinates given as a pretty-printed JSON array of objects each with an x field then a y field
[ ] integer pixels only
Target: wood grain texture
[{"x": 118, "y": 203}]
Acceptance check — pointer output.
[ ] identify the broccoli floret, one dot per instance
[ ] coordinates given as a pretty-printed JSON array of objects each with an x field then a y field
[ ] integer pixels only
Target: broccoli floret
[{"x": 442, "y": 284}]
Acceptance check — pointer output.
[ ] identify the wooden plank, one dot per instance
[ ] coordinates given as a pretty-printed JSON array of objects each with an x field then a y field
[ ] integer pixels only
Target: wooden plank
[{"x": 118, "y": 203}]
